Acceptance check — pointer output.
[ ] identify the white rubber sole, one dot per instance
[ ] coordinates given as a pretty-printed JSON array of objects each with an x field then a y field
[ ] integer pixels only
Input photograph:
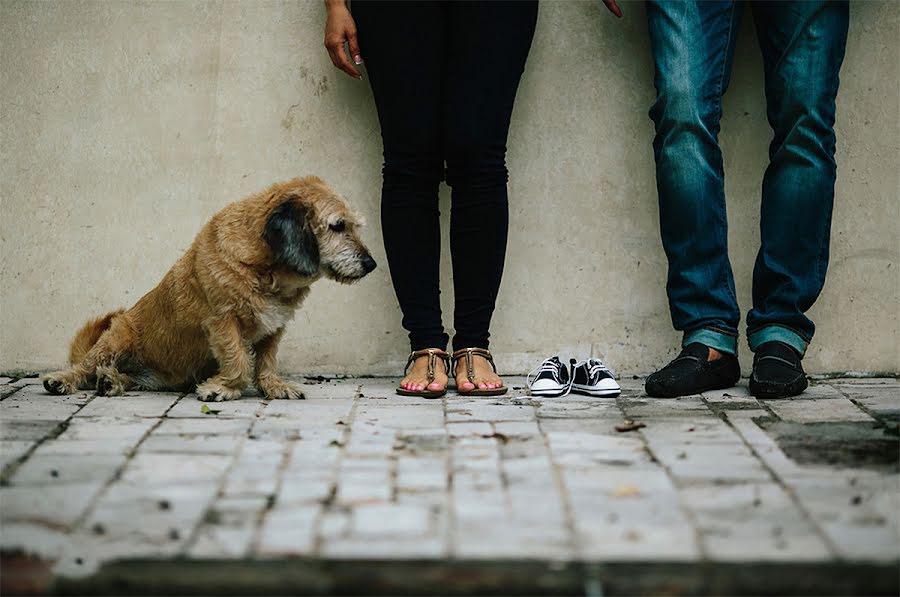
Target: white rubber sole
[
  {"x": 554, "y": 393},
  {"x": 590, "y": 391}
]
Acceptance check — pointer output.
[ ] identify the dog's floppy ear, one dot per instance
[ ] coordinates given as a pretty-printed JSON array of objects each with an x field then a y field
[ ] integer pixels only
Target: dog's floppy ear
[{"x": 292, "y": 239}]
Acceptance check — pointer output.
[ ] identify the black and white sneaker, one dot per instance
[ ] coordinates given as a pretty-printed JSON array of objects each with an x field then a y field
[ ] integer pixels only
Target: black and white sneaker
[
  {"x": 593, "y": 378},
  {"x": 550, "y": 378}
]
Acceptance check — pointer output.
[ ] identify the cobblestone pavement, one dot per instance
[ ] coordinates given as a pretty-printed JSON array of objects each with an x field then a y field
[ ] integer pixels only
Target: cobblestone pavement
[{"x": 356, "y": 471}]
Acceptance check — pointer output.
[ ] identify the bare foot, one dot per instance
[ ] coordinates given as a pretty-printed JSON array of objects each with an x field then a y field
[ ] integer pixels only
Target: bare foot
[
  {"x": 714, "y": 355},
  {"x": 485, "y": 377},
  {"x": 417, "y": 378}
]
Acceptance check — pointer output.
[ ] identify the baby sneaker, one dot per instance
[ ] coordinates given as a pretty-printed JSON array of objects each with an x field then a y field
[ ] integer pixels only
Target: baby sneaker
[
  {"x": 593, "y": 378},
  {"x": 550, "y": 379}
]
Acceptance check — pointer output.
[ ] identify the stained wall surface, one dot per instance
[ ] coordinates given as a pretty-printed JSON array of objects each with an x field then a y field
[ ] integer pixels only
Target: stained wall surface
[{"x": 125, "y": 125}]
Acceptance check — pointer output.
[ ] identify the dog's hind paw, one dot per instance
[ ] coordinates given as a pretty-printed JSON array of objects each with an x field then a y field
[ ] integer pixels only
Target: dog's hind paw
[
  {"x": 212, "y": 392},
  {"x": 55, "y": 383},
  {"x": 283, "y": 390}
]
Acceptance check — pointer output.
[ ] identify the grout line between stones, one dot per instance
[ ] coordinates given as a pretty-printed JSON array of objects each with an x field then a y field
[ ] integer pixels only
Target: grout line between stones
[
  {"x": 780, "y": 482},
  {"x": 568, "y": 514},
  {"x": 118, "y": 473},
  {"x": 688, "y": 513},
  {"x": 10, "y": 469}
]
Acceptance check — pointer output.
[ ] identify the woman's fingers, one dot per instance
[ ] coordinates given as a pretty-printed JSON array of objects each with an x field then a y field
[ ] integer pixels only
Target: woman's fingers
[
  {"x": 613, "y": 7},
  {"x": 353, "y": 46},
  {"x": 335, "y": 46}
]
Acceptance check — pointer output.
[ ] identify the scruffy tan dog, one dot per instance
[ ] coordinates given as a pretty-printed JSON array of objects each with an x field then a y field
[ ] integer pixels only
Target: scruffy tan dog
[{"x": 219, "y": 313}]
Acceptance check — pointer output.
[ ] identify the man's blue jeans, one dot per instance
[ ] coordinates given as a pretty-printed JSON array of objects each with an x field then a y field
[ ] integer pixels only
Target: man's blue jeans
[{"x": 802, "y": 46}]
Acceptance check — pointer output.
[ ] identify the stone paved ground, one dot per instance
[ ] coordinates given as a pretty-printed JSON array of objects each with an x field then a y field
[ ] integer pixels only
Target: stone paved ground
[{"x": 356, "y": 472}]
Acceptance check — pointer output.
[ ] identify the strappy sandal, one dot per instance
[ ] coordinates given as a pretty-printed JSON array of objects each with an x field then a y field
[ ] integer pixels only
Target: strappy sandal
[
  {"x": 433, "y": 355},
  {"x": 469, "y": 355}
]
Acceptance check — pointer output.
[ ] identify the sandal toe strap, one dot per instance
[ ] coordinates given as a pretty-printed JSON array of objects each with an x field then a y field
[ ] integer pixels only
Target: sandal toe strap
[
  {"x": 468, "y": 354},
  {"x": 433, "y": 355}
]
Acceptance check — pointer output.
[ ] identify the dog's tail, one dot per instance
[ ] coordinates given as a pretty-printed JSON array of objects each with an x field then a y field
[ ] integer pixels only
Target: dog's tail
[{"x": 88, "y": 335}]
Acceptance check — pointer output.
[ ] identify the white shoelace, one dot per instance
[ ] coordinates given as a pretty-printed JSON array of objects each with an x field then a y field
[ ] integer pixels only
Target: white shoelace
[
  {"x": 595, "y": 366},
  {"x": 552, "y": 367}
]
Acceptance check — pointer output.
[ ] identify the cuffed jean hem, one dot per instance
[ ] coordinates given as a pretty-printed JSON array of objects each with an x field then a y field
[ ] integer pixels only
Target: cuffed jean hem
[
  {"x": 777, "y": 333},
  {"x": 721, "y": 341}
]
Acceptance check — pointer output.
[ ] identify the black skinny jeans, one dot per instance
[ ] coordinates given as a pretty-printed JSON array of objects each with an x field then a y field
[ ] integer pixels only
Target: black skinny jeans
[{"x": 444, "y": 76}]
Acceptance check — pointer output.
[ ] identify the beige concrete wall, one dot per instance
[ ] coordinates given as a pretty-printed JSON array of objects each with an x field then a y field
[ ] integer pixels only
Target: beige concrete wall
[{"x": 125, "y": 125}]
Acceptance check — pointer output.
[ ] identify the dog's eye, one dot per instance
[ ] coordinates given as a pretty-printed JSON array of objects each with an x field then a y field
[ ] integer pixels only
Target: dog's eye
[{"x": 338, "y": 226}]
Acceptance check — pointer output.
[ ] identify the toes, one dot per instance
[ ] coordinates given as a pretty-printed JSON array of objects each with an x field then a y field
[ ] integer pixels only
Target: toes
[
  {"x": 54, "y": 386},
  {"x": 435, "y": 385},
  {"x": 285, "y": 392},
  {"x": 466, "y": 386},
  {"x": 104, "y": 385}
]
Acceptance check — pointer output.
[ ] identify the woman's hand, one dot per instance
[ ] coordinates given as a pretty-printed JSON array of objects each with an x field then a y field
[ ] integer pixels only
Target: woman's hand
[{"x": 340, "y": 29}]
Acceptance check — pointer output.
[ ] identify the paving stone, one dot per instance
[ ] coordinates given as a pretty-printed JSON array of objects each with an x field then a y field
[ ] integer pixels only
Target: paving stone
[
  {"x": 243, "y": 481},
  {"x": 880, "y": 399},
  {"x": 401, "y": 417},
  {"x": 53, "y": 507},
  {"x": 13, "y": 450},
  {"x": 464, "y": 410},
  {"x": 421, "y": 474},
  {"x": 332, "y": 389},
  {"x": 191, "y": 408},
  {"x": 153, "y": 468},
  {"x": 814, "y": 411},
  {"x": 753, "y": 521},
  {"x": 209, "y": 426},
  {"x": 85, "y": 448},
  {"x": 86, "y": 552},
  {"x": 102, "y": 428},
  {"x": 277, "y": 429},
  {"x": 289, "y": 531},
  {"x": 305, "y": 489},
  {"x": 24, "y": 382},
  {"x": 567, "y": 408},
  {"x": 334, "y": 524},
  {"x": 390, "y": 520},
  {"x": 469, "y": 428},
  {"x": 33, "y": 539},
  {"x": 690, "y": 407},
  {"x": 422, "y": 441},
  {"x": 162, "y": 515},
  {"x": 191, "y": 444},
  {"x": 29, "y": 404},
  {"x": 64, "y": 469},
  {"x": 384, "y": 548},
  {"x": 228, "y": 528},
  {"x": 517, "y": 429},
  {"x": 29, "y": 431},
  {"x": 500, "y": 539},
  {"x": 364, "y": 487},
  {"x": 623, "y": 541},
  {"x": 309, "y": 413},
  {"x": 137, "y": 405}
]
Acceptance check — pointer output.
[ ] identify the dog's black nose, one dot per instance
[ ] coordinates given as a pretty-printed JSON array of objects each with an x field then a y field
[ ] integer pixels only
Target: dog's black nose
[{"x": 368, "y": 263}]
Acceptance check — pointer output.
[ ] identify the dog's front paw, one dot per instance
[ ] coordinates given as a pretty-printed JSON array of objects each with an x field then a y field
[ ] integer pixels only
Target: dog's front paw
[
  {"x": 213, "y": 392},
  {"x": 282, "y": 390},
  {"x": 109, "y": 382},
  {"x": 56, "y": 383}
]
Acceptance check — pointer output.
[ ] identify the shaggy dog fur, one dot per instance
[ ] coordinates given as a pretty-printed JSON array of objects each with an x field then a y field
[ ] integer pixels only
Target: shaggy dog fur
[{"x": 219, "y": 313}]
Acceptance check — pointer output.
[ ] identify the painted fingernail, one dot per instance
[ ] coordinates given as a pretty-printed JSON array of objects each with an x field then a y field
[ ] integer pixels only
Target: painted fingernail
[{"x": 357, "y": 59}]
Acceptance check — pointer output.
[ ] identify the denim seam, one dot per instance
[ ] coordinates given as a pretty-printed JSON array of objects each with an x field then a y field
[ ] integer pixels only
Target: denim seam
[
  {"x": 720, "y": 165},
  {"x": 715, "y": 329},
  {"x": 760, "y": 328}
]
